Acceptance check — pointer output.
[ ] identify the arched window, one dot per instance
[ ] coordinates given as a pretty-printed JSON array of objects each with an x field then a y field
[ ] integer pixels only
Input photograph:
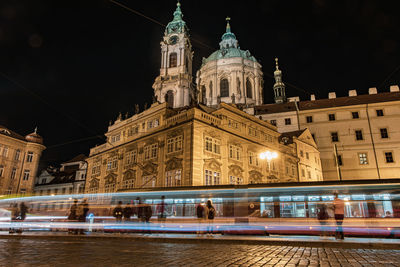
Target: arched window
[
  {"x": 172, "y": 60},
  {"x": 224, "y": 88},
  {"x": 203, "y": 94},
  {"x": 169, "y": 98},
  {"x": 249, "y": 89},
  {"x": 211, "y": 88}
]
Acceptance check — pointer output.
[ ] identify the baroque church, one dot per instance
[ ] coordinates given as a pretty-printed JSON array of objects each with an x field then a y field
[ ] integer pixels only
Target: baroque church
[{"x": 196, "y": 134}]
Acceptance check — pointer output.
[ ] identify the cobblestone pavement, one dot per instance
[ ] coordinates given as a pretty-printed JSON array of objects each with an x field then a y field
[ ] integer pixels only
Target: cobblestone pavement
[{"x": 43, "y": 252}]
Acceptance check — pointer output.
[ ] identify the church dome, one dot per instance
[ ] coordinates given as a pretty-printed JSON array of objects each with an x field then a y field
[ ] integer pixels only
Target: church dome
[
  {"x": 34, "y": 138},
  {"x": 230, "y": 75}
]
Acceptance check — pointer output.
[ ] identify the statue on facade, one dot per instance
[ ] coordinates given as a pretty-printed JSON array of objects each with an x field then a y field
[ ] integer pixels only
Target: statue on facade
[
  {"x": 119, "y": 116},
  {"x": 145, "y": 106},
  {"x": 233, "y": 99},
  {"x": 126, "y": 115},
  {"x": 239, "y": 92},
  {"x": 136, "y": 108}
]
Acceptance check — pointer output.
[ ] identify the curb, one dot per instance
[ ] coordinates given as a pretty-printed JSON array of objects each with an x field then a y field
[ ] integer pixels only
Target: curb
[{"x": 217, "y": 240}]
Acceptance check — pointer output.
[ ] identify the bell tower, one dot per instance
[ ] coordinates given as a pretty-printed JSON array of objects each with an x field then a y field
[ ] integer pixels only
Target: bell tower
[
  {"x": 174, "y": 83},
  {"x": 279, "y": 86}
]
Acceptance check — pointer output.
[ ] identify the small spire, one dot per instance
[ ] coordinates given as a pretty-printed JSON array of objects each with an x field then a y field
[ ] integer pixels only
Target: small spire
[
  {"x": 276, "y": 63},
  {"x": 35, "y": 130},
  {"x": 228, "y": 26},
  {"x": 178, "y": 4}
]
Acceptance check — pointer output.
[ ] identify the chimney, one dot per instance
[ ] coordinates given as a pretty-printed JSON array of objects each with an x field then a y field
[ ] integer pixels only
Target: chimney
[
  {"x": 372, "y": 91},
  {"x": 312, "y": 97},
  {"x": 294, "y": 99},
  {"x": 352, "y": 92},
  {"x": 394, "y": 88},
  {"x": 331, "y": 95}
]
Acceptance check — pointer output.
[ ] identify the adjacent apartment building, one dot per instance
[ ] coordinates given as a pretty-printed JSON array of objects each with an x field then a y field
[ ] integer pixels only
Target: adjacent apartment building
[{"x": 19, "y": 160}]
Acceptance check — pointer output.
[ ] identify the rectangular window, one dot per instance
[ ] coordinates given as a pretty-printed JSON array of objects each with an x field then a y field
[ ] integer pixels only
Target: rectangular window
[
  {"x": 112, "y": 163},
  {"x": 339, "y": 160},
  {"x": 309, "y": 174},
  {"x": 301, "y": 153},
  {"x": 29, "y": 157},
  {"x": 307, "y": 155},
  {"x": 273, "y": 122},
  {"x": 96, "y": 168},
  {"x": 389, "y": 157},
  {"x": 115, "y": 138},
  {"x": 5, "y": 151},
  {"x": 235, "y": 152},
  {"x": 359, "y": 135},
  {"x": 212, "y": 177},
  {"x": 133, "y": 131},
  {"x": 26, "y": 175},
  {"x": 253, "y": 159},
  {"x": 130, "y": 157},
  {"x": 384, "y": 133},
  {"x": 173, "y": 178},
  {"x": 309, "y": 119},
  {"x": 233, "y": 124},
  {"x": 355, "y": 115},
  {"x": 379, "y": 112},
  {"x": 235, "y": 180},
  {"x": 334, "y": 137},
  {"x": 363, "y": 158},
  {"x": 212, "y": 145},
  {"x": 174, "y": 144},
  {"x": 151, "y": 151},
  {"x": 288, "y": 121},
  {"x": 17, "y": 154},
  {"x": 253, "y": 131},
  {"x": 13, "y": 173},
  {"x": 332, "y": 117},
  {"x": 149, "y": 181},
  {"x": 109, "y": 188},
  {"x": 303, "y": 173}
]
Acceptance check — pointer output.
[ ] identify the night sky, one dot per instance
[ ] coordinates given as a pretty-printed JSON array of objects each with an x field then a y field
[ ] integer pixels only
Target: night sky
[{"x": 69, "y": 67}]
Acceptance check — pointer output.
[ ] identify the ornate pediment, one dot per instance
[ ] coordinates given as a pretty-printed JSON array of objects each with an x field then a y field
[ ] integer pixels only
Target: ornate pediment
[
  {"x": 110, "y": 178},
  {"x": 175, "y": 133},
  {"x": 149, "y": 168},
  {"x": 94, "y": 183},
  {"x": 213, "y": 134},
  {"x": 131, "y": 147},
  {"x": 212, "y": 164},
  {"x": 173, "y": 164},
  {"x": 255, "y": 176},
  {"x": 235, "y": 170},
  {"x": 151, "y": 141},
  {"x": 129, "y": 174}
]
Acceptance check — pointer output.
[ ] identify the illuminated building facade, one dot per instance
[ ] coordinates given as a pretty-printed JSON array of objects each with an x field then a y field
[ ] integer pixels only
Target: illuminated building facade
[{"x": 19, "y": 160}]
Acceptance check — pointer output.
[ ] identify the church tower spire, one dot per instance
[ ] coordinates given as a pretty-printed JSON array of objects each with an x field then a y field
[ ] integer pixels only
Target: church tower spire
[
  {"x": 279, "y": 86},
  {"x": 174, "y": 84}
]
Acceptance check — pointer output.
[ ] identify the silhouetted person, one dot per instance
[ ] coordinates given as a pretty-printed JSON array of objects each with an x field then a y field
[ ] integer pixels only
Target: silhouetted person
[
  {"x": 161, "y": 210},
  {"x": 72, "y": 217},
  {"x": 200, "y": 217},
  {"x": 127, "y": 212},
  {"x": 14, "y": 215},
  {"x": 118, "y": 212},
  {"x": 323, "y": 216},
  {"x": 82, "y": 211},
  {"x": 209, "y": 213},
  {"x": 339, "y": 216}
]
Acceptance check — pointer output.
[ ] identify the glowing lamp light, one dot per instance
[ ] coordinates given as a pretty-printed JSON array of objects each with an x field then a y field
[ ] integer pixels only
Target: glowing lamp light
[{"x": 268, "y": 155}]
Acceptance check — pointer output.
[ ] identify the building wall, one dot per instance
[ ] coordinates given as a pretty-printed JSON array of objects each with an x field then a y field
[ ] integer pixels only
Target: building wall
[{"x": 16, "y": 184}]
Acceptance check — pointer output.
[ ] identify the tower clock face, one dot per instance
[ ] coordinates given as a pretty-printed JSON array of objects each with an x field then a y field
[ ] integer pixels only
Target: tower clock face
[{"x": 173, "y": 39}]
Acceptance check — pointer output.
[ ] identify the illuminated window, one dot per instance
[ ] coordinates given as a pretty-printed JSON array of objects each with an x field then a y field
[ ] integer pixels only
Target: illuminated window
[
  {"x": 153, "y": 123},
  {"x": 235, "y": 152},
  {"x": 389, "y": 157},
  {"x": 115, "y": 138},
  {"x": 112, "y": 163},
  {"x": 355, "y": 115},
  {"x": 26, "y": 175},
  {"x": 212, "y": 177},
  {"x": 309, "y": 119},
  {"x": 224, "y": 88},
  {"x": 151, "y": 151},
  {"x": 173, "y": 60},
  {"x": 174, "y": 144},
  {"x": 359, "y": 135},
  {"x": 363, "y": 158},
  {"x": 384, "y": 133},
  {"x": 173, "y": 178},
  {"x": 212, "y": 145},
  {"x": 29, "y": 157},
  {"x": 331, "y": 117},
  {"x": 235, "y": 180}
]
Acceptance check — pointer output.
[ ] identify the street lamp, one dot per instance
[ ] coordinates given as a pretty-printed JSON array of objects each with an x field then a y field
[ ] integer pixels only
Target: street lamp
[{"x": 268, "y": 155}]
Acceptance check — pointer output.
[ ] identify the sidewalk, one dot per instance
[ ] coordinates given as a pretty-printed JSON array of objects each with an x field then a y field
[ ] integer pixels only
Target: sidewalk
[{"x": 273, "y": 240}]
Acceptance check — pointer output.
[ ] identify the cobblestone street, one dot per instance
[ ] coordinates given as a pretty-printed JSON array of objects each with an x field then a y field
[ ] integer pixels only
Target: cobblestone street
[{"x": 107, "y": 252}]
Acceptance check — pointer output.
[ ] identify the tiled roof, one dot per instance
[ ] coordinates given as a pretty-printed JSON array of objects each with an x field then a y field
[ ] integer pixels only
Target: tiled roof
[
  {"x": 290, "y": 135},
  {"x": 80, "y": 157},
  {"x": 8, "y": 132},
  {"x": 328, "y": 103}
]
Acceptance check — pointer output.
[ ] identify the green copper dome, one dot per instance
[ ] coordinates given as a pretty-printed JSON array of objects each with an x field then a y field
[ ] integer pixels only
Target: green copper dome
[
  {"x": 229, "y": 48},
  {"x": 177, "y": 25}
]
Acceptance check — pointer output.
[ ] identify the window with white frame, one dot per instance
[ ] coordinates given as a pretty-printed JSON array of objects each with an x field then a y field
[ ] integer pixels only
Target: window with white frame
[
  {"x": 212, "y": 177},
  {"x": 112, "y": 163},
  {"x": 13, "y": 173},
  {"x": 235, "y": 152},
  {"x": 133, "y": 130},
  {"x": 116, "y": 138},
  {"x": 153, "y": 123},
  {"x": 149, "y": 181},
  {"x": 5, "y": 151},
  {"x": 363, "y": 158},
  {"x": 173, "y": 178},
  {"x": 253, "y": 131},
  {"x": 233, "y": 124},
  {"x": 212, "y": 145},
  {"x": 29, "y": 156},
  {"x": 253, "y": 158},
  {"x": 235, "y": 180},
  {"x": 26, "y": 175},
  {"x": 109, "y": 188},
  {"x": 130, "y": 157},
  {"x": 129, "y": 180},
  {"x": 96, "y": 168},
  {"x": 150, "y": 151},
  {"x": 174, "y": 144},
  {"x": 17, "y": 154}
]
